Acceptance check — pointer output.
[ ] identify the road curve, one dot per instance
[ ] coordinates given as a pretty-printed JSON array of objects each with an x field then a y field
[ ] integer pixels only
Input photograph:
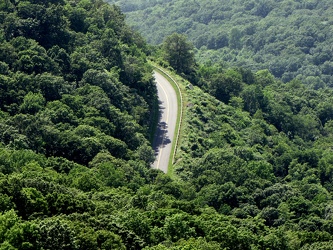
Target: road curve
[{"x": 165, "y": 131}]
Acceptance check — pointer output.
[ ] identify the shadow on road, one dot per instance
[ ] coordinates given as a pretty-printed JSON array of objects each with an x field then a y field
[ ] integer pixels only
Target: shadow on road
[{"x": 161, "y": 134}]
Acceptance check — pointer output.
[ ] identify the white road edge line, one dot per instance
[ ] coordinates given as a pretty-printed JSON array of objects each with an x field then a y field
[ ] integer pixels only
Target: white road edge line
[{"x": 180, "y": 115}]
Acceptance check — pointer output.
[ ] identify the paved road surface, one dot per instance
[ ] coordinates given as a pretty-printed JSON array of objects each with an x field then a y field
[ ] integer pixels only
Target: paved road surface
[{"x": 165, "y": 133}]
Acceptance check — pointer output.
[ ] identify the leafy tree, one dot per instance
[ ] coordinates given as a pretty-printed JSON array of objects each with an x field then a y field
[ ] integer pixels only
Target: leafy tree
[
  {"x": 178, "y": 227},
  {"x": 235, "y": 38},
  {"x": 8, "y": 220},
  {"x": 55, "y": 233},
  {"x": 33, "y": 201},
  {"x": 254, "y": 99},
  {"x": 224, "y": 86},
  {"x": 32, "y": 103},
  {"x": 179, "y": 53}
]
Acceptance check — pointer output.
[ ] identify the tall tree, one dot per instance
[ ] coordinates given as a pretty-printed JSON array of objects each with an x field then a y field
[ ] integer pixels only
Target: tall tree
[{"x": 179, "y": 53}]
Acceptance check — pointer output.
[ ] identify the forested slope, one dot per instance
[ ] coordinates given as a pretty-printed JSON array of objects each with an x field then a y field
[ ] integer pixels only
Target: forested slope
[
  {"x": 263, "y": 161},
  {"x": 290, "y": 38},
  {"x": 254, "y": 169},
  {"x": 76, "y": 102}
]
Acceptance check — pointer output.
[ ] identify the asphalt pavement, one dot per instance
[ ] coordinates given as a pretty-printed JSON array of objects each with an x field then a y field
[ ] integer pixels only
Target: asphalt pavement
[{"x": 165, "y": 132}]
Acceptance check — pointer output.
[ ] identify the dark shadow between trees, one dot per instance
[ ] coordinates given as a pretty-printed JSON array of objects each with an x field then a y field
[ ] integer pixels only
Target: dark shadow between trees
[{"x": 161, "y": 134}]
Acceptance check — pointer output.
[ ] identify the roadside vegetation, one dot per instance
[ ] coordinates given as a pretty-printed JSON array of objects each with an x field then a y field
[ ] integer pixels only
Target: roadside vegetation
[{"x": 253, "y": 170}]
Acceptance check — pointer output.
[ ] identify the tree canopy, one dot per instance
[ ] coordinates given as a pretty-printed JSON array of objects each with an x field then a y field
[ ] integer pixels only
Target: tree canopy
[
  {"x": 253, "y": 169},
  {"x": 290, "y": 38},
  {"x": 179, "y": 53}
]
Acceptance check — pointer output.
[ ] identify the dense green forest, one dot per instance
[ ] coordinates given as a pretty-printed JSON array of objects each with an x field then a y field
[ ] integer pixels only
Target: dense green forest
[
  {"x": 290, "y": 38},
  {"x": 254, "y": 169}
]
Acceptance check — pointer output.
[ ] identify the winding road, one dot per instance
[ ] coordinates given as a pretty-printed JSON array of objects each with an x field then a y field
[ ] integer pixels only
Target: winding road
[{"x": 165, "y": 132}]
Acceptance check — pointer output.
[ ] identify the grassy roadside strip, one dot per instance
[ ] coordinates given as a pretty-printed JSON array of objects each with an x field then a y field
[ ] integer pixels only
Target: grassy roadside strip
[{"x": 179, "y": 114}]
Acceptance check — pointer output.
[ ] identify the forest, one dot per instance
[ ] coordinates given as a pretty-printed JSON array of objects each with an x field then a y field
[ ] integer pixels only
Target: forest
[
  {"x": 291, "y": 38},
  {"x": 253, "y": 170}
]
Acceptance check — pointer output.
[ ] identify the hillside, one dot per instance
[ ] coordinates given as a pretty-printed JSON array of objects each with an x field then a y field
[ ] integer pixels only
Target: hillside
[
  {"x": 77, "y": 96},
  {"x": 263, "y": 162},
  {"x": 290, "y": 38},
  {"x": 254, "y": 168}
]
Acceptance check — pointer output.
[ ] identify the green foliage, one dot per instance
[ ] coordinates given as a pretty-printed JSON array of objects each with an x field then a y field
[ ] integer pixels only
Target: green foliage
[
  {"x": 32, "y": 103},
  {"x": 56, "y": 234},
  {"x": 178, "y": 52},
  {"x": 54, "y": 89},
  {"x": 254, "y": 167},
  {"x": 290, "y": 38},
  {"x": 75, "y": 88},
  {"x": 258, "y": 157}
]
